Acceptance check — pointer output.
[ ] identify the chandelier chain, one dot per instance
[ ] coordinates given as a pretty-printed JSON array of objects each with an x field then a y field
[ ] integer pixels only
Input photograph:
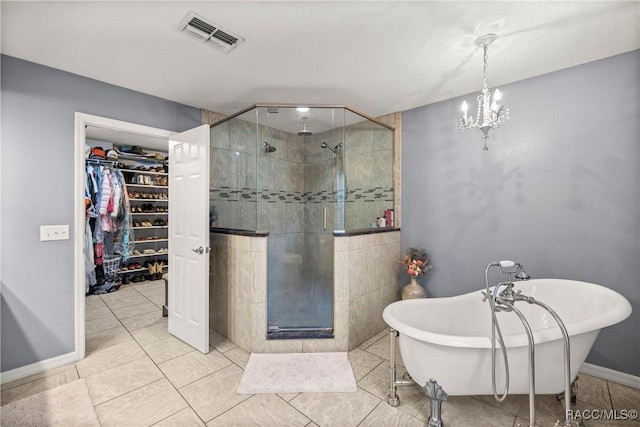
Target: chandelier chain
[{"x": 486, "y": 56}]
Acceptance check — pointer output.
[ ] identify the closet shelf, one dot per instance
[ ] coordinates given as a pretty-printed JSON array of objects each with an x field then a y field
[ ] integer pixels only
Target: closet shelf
[
  {"x": 138, "y": 270},
  {"x": 151, "y": 240},
  {"x": 144, "y": 172},
  {"x": 149, "y": 213},
  {"x": 150, "y": 227},
  {"x": 147, "y": 186},
  {"x": 135, "y": 270},
  {"x": 149, "y": 200},
  {"x": 149, "y": 255},
  {"x": 138, "y": 158}
]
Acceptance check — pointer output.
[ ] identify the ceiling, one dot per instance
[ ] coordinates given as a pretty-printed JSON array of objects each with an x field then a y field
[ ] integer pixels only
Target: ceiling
[{"x": 378, "y": 57}]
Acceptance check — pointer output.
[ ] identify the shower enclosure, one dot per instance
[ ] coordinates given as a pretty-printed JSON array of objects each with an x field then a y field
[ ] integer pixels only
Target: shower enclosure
[{"x": 302, "y": 175}]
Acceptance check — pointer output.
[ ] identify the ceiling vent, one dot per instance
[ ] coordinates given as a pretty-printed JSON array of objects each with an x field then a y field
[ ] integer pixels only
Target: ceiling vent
[{"x": 211, "y": 34}]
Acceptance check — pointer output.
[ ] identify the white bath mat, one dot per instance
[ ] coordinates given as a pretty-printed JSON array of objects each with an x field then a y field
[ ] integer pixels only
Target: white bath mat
[{"x": 297, "y": 373}]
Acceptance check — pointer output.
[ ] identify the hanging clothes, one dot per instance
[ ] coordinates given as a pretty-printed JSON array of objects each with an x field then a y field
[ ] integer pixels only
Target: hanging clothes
[
  {"x": 108, "y": 232},
  {"x": 89, "y": 264},
  {"x": 105, "y": 205}
]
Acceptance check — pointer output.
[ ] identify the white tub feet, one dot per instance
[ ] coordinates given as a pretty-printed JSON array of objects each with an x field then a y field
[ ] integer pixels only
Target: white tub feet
[{"x": 437, "y": 395}]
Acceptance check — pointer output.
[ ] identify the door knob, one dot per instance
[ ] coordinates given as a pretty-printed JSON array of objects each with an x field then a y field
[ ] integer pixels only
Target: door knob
[{"x": 200, "y": 250}]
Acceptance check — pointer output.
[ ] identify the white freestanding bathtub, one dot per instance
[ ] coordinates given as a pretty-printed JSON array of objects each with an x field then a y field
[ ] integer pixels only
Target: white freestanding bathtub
[{"x": 448, "y": 339}]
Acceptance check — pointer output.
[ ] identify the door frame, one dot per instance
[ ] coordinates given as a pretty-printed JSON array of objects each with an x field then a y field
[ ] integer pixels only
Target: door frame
[{"x": 81, "y": 121}]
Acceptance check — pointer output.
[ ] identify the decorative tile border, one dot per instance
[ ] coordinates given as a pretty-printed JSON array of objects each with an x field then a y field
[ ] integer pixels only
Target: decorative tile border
[{"x": 251, "y": 195}]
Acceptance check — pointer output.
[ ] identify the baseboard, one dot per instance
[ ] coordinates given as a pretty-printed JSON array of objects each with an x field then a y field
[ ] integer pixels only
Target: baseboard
[
  {"x": 37, "y": 368},
  {"x": 611, "y": 375}
]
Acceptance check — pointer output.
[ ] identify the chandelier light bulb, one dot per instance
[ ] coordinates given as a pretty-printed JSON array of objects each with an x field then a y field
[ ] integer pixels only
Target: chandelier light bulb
[{"x": 497, "y": 95}]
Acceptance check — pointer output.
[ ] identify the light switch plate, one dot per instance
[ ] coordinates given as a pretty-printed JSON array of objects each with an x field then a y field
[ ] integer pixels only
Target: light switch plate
[{"x": 54, "y": 232}]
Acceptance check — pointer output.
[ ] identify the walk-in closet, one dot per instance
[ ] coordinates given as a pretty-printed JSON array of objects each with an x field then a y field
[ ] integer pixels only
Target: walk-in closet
[{"x": 127, "y": 211}]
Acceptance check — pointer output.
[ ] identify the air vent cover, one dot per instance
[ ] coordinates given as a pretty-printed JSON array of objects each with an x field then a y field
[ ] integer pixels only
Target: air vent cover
[{"x": 211, "y": 34}]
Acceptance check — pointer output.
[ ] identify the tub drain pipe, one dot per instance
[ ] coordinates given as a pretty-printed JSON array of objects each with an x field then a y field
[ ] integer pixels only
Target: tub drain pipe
[{"x": 394, "y": 383}]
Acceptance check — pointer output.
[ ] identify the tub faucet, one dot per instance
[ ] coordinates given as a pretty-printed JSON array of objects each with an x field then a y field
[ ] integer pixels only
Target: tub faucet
[{"x": 504, "y": 290}]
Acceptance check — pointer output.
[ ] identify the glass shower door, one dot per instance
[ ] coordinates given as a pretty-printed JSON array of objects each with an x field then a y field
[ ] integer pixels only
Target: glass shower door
[{"x": 298, "y": 208}]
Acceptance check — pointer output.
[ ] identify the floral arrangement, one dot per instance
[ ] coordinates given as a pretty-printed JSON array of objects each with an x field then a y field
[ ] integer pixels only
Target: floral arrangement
[{"x": 416, "y": 261}]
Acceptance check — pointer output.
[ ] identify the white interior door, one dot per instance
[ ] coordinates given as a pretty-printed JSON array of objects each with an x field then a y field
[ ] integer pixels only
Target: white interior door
[{"x": 189, "y": 237}]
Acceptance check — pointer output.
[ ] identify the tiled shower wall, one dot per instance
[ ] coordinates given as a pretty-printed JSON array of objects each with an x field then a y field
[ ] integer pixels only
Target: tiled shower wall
[
  {"x": 369, "y": 164},
  {"x": 237, "y": 276},
  {"x": 366, "y": 277}
]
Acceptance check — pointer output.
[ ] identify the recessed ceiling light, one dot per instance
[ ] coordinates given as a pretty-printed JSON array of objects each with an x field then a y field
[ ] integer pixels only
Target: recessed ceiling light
[{"x": 303, "y": 109}]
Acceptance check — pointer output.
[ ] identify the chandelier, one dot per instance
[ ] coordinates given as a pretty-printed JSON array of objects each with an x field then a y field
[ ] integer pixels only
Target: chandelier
[{"x": 490, "y": 114}]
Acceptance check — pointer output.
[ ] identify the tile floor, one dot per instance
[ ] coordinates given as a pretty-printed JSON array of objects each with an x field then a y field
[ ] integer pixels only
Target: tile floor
[{"x": 139, "y": 375}]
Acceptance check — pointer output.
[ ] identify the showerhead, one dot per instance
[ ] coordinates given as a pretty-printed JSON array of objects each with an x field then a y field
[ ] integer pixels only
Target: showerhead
[
  {"x": 521, "y": 274},
  {"x": 268, "y": 148},
  {"x": 304, "y": 131},
  {"x": 334, "y": 149},
  {"x": 325, "y": 145}
]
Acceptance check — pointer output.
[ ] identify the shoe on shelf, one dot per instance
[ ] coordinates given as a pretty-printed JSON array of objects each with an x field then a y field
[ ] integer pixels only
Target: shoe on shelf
[
  {"x": 152, "y": 271},
  {"x": 159, "y": 266}
]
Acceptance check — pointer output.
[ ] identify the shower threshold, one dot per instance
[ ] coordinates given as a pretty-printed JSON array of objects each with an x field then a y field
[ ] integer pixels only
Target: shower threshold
[{"x": 280, "y": 333}]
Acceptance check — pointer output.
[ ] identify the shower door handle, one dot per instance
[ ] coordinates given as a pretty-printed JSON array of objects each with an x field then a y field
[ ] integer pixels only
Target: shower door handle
[{"x": 324, "y": 218}]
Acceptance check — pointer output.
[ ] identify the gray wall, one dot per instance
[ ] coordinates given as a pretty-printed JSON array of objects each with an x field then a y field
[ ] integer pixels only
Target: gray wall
[
  {"x": 558, "y": 189},
  {"x": 38, "y": 105}
]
